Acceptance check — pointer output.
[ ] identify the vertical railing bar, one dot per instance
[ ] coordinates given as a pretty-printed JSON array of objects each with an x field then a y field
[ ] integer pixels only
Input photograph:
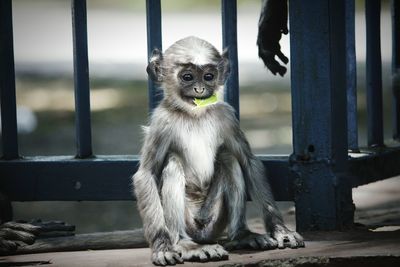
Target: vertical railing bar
[
  {"x": 154, "y": 40},
  {"x": 374, "y": 73},
  {"x": 229, "y": 41},
  {"x": 7, "y": 83},
  {"x": 351, "y": 79},
  {"x": 396, "y": 68},
  {"x": 81, "y": 79}
]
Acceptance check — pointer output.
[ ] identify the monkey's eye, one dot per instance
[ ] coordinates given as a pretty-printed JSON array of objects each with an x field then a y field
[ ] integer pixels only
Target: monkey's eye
[
  {"x": 208, "y": 77},
  {"x": 187, "y": 77}
]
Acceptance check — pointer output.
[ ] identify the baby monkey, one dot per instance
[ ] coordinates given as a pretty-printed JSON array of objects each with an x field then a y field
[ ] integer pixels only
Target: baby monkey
[{"x": 196, "y": 165}]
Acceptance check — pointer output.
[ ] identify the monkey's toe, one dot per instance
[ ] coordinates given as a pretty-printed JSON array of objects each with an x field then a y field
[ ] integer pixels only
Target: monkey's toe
[
  {"x": 288, "y": 239},
  {"x": 215, "y": 252},
  {"x": 162, "y": 258},
  {"x": 252, "y": 241}
]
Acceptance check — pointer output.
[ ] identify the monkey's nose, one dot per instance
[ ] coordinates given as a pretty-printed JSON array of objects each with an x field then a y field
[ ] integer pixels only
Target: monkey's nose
[{"x": 198, "y": 90}]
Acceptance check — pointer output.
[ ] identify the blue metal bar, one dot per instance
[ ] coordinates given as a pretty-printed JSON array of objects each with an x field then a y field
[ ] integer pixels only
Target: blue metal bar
[
  {"x": 81, "y": 80},
  {"x": 351, "y": 70},
  {"x": 229, "y": 41},
  {"x": 396, "y": 67},
  {"x": 7, "y": 83},
  {"x": 374, "y": 73},
  {"x": 319, "y": 113},
  {"x": 154, "y": 40},
  {"x": 103, "y": 178}
]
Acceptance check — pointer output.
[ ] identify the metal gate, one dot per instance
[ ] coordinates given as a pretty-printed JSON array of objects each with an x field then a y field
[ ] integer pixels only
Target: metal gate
[{"x": 326, "y": 162}]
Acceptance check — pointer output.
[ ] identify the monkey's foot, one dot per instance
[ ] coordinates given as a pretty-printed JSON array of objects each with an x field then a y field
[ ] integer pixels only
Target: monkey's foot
[
  {"x": 166, "y": 257},
  {"x": 287, "y": 238},
  {"x": 191, "y": 251},
  {"x": 251, "y": 240}
]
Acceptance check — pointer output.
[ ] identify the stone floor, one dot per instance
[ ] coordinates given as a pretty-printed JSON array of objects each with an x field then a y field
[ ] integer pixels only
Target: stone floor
[{"x": 374, "y": 243}]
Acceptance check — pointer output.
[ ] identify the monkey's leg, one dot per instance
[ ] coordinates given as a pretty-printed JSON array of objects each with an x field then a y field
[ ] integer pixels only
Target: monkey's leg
[
  {"x": 261, "y": 192},
  {"x": 238, "y": 233},
  {"x": 173, "y": 198},
  {"x": 206, "y": 224},
  {"x": 173, "y": 204}
]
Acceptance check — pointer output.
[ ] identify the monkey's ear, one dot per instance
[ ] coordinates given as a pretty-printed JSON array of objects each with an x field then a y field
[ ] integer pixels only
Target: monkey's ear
[
  {"x": 154, "y": 67},
  {"x": 224, "y": 68}
]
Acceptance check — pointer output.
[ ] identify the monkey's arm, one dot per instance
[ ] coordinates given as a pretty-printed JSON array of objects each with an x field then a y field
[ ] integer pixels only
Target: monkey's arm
[
  {"x": 272, "y": 23},
  {"x": 146, "y": 183},
  {"x": 260, "y": 191}
]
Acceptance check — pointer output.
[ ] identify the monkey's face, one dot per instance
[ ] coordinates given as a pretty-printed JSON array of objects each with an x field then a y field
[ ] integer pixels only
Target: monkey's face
[
  {"x": 190, "y": 68},
  {"x": 196, "y": 81}
]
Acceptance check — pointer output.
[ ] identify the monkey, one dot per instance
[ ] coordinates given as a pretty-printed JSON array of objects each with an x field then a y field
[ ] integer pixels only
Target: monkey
[
  {"x": 272, "y": 24},
  {"x": 196, "y": 164}
]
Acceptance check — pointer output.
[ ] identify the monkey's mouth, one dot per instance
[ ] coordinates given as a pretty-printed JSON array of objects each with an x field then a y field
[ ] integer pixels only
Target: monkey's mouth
[{"x": 191, "y": 99}]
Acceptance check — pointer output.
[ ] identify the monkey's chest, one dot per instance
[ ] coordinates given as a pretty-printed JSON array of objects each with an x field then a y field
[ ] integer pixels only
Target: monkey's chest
[{"x": 199, "y": 148}]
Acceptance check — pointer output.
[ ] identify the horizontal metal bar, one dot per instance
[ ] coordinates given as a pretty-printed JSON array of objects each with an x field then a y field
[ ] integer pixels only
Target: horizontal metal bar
[
  {"x": 9, "y": 129},
  {"x": 154, "y": 40},
  {"x": 229, "y": 41},
  {"x": 81, "y": 80},
  {"x": 374, "y": 166},
  {"x": 101, "y": 178},
  {"x": 374, "y": 73},
  {"x": 104, "y": 178}
]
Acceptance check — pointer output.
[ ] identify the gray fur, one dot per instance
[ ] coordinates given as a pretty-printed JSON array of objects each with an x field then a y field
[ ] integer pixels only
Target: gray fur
[{"x": 196, "y": 165}]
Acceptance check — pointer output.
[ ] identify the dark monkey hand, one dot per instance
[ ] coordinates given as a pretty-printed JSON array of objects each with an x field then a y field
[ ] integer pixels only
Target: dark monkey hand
[{"x": 272, "y": 23}]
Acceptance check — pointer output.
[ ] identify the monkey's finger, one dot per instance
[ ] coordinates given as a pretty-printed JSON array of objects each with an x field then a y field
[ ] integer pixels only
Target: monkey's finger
[
  {"x": 275, "y": 67},
  {"x": 158, "y": 258},
  {"x": 169, "y": 258},
  {"x": 197, "y": 255},
  {"x": 177, "y": 257},
  {"x": 262, "y": 243},
  {"x": 272, "y": 243},
  {"x": 224, "y": 255},
  {"x": 268, "y": 57},
  {"x": 202, "y": 256},
  {"x": 253, "y": 244},
  {"x": 282, "y": 57},
  {"x": 231, "y": 245},
  {"x": 281, "y": 243},
  {"x": 211, "y": 253},
  {"x": 292, "y": 241},
  {"x": 300, "y": 240}
]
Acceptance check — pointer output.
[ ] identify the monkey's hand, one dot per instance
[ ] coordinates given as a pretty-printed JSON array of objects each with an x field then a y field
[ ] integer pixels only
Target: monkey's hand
[
  {"x": 286, "y": 237},
  {"x": 273, "y": 22},
  {"x": 248, "y": 239},
  {"x": 191, "y": 251},
  {"x": 163, "y": 253},
  {"x": 12, "y": 232}
]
